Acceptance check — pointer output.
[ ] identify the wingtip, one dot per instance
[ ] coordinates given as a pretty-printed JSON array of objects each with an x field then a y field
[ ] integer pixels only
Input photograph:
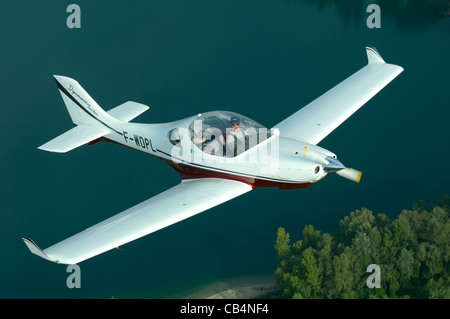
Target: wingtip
[
  {"x": 34, "y": 249},
  {"x": 373, "y": 56}
]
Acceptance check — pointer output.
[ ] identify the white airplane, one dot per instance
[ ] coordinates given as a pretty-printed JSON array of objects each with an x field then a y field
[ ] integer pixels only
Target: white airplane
[{"x": 219, "y": 155}]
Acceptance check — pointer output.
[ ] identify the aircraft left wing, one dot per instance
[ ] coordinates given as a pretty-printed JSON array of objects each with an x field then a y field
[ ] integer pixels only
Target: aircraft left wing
[
  {"x": 182, "y": 201},
  {"x": 319, "y": 118}
]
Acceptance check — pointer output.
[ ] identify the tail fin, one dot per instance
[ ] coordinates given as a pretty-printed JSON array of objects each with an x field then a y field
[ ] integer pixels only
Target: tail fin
[
  {"x": 91, "y": 120},
  {"x": 81, "y": 106}
]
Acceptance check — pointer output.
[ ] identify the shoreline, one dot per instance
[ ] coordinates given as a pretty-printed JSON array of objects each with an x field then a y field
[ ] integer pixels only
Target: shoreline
[
  {"x": 235, "y": 288},
  {"x": 245, "y": 292}
]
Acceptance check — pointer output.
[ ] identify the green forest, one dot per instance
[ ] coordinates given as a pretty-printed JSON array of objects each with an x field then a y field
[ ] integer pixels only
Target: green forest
[{"x": 412, "y": 253}]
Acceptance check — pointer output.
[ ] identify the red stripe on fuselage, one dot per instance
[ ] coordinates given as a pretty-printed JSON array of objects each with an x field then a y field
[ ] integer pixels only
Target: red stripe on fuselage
[{"x": 191, "y": 172}]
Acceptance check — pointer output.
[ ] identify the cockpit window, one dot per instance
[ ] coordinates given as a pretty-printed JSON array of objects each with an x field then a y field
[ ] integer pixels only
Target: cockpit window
[
  {"x": 224, "y": 133},
  {"x": 220, "y": 133}
]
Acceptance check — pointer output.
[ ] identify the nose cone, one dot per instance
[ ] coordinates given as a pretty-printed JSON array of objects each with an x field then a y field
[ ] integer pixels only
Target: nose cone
[{"x": 333, "y": 165}]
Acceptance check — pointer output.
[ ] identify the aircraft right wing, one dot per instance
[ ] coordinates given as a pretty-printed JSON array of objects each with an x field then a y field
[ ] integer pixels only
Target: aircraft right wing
[
  {"x": 182, "y": 201},
  {"x": 319, "y": 118}
]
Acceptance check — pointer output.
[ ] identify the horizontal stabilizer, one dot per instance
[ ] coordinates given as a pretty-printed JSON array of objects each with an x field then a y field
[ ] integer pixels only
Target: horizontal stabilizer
[
  {"x": 74, "y": 138},
  {"x": 128, "y": 111}
]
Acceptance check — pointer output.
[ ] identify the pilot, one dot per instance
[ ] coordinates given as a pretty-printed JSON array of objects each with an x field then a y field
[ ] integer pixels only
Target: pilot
[
  {"x": 235, "y": 137},
  {"x": 175, "y": 138}
]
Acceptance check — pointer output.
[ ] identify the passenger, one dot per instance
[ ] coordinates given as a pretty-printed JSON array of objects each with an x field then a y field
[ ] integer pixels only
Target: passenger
[
  {"x": 198, "y": 141},
  {"x": 235, "y": 137},
  {"x": 215, "y": 147}
]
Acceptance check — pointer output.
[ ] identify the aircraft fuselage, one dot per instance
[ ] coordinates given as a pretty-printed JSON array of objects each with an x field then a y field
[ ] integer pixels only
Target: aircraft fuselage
[{"x": 275, "y": 162}]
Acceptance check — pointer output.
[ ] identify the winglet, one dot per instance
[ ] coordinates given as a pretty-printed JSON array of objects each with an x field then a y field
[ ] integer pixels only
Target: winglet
[
  {"x": 36, "y": 250},
  {"x": 373, "y": 55}
]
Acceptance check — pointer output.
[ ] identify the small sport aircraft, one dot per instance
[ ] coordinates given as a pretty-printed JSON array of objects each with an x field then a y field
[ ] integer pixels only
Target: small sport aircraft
[{"x": 219, "y": 155}]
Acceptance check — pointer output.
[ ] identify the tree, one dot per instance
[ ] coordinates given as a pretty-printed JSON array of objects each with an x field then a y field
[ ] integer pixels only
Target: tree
[
  {"x": 310, "y": 236},
  {"x": 343, "y": 281},
  {"x": 311, "y": 275},
  {"x": 412, "y": 251},
  {"x": 405, "y": 264},
  {"x": 282, "y": 244},
  {"x": 358, "y": 221}
]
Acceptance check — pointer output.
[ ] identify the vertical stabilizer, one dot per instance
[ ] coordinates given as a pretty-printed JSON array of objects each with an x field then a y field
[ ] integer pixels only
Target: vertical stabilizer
[{"x": 81, "y": 106}]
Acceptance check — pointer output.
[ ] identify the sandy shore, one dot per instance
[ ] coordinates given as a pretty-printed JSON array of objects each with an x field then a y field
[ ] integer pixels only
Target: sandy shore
[
  {"x": 235, "y": 288},
  {"x": 245, "y": 292}
]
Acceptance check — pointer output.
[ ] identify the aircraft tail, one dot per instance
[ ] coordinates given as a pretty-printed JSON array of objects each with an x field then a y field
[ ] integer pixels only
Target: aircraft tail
[
  {"x": 81, "y": 106},
  {"x": 91, "y": 120}
]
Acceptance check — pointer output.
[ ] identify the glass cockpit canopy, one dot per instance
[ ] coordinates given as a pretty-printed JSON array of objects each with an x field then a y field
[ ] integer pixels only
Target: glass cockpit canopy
[
  {"x": 212, "y": 133},
  {"x": 221, "y": 120}
]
